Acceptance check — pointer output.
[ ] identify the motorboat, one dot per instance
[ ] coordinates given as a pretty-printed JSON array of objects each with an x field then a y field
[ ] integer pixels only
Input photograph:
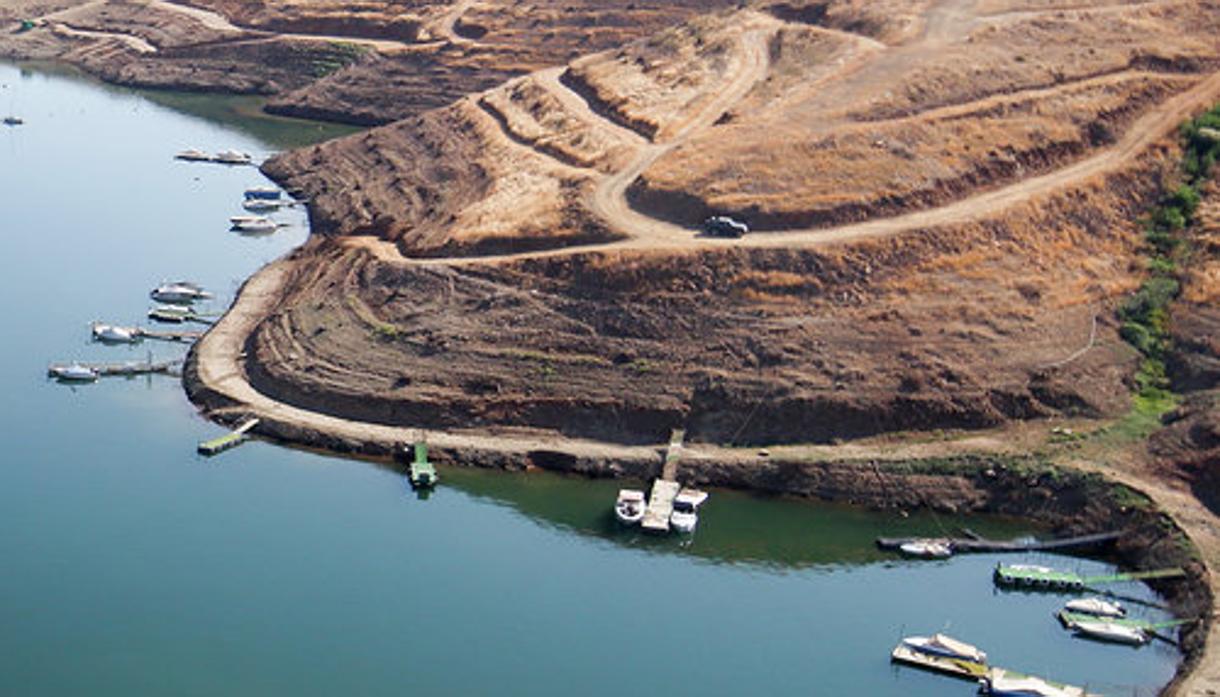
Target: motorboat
[
  {"x": 685, "y": 515},
  {"x": 111, "y": 334},
  {"x": 269, "y": 193},
  {"x": 13, "y": 121},
  {"x": 74, "y": 372},
  {"x": 233, "y": 157},
  {"x": 1112, "y": 632},
  {"x": 629, "y": 507},
  {"x": 1002, "y": 683},
  {"x": 927, "y": 549},
  {"x": 178, "y": 292},
  {"x": 945, "y": 646},
  {"x": 193, "y": 155},
  {"x": 252, "y": 223},
  {"x": 262, "y": 204},
  {"x": 1097, "y": 607},
  {"x": 171, "y": 313}
]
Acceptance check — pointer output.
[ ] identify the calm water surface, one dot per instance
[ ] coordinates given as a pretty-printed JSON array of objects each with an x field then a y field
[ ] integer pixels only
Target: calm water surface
[{"x": 132, "y": 566}]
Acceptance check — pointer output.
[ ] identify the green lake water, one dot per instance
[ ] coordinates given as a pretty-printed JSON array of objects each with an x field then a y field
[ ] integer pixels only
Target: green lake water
[{"x": 132, "y": 566}]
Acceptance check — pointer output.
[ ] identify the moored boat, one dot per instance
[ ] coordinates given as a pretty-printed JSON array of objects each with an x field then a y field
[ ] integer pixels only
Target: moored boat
[
  {"x": 629, "y": 507},
  {"x": 1005, "y": 683},
  {"x": 927, "y": 549},
  {"x": 111, "y": 334},
  {"x": 946, "y": 646},
  {"x": 262, "y": 204},
  {"x": 269, "y": 193},
  {"x": 193, "y": 155},
  {"x": 252, "y": 223},
  {"x": 74, "y": 372},
  {"x": 685, "y": 515},
  {"x": 180, "y": 292},
  {"x": 1111, "y": 632},
  {"x": 1098, "y": 607},
  {"x": 233, "y": 157}
]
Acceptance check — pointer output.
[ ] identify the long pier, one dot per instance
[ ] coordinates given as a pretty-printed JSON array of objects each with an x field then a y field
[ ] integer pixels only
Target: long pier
[
  {"x": 126, "y": 368},
  {"x": 965, "y": 545},
  {"x": 665, "y": 488}
]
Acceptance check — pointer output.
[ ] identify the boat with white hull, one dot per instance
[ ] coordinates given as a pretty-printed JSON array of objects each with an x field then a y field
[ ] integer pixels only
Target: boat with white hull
[
  {"x": 629, "y": 507},
  {"x": 111, "y": 334},
  {"x": 252, "y": 224},
  {"x": 1111, "y": 632},
  {"x": 179, "y": 292},
  {"x": 945, "y": 646},
  {"x": 685, "y": 515},
  {"x": 1098, "y": 607}
]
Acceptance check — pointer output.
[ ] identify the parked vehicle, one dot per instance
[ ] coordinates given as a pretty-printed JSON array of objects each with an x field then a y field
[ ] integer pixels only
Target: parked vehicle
[{"x": 724, "y": 226}]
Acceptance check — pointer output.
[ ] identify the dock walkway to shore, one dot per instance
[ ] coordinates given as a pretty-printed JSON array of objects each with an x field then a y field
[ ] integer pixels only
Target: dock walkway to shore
[{"x": 665, "y": 488}]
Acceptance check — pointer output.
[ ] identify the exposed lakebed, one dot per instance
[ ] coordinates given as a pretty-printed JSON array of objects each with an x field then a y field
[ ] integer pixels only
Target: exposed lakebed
[{"x": 134, "y": 566}]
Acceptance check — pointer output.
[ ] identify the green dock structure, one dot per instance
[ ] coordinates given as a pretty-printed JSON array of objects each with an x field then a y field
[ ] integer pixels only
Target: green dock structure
[
  {"x": 1031, "y": 577},
  {"x": 228, "y": 441},
  {"x": 665, "y": 488},
  {"x": 421, "y": 472}
]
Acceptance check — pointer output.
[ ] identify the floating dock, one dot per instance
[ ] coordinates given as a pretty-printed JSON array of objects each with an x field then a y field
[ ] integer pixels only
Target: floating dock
[
  {"x": 421, "y": 472},
  {"x": 1041, "y": 578},
  {"x": 126, "y": 368},
  {"x": 230, "y": 440},
  {"x": 665, "y": 488},
  {"x": 185, "y": 335},
  {"x": 956, "y": 667},
  {"x": 966, "y": 545}
]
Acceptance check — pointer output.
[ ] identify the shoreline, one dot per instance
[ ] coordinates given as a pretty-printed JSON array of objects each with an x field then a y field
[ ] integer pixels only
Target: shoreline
[{"x": 1078, "y": 499}]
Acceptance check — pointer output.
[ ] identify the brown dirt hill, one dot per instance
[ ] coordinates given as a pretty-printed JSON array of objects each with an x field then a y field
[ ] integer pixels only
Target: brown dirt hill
[{"x": 966, "y": 326}]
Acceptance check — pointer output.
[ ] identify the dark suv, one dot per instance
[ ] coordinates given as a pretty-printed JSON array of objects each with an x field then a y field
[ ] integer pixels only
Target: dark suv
[{"x": 724, "y": 226}]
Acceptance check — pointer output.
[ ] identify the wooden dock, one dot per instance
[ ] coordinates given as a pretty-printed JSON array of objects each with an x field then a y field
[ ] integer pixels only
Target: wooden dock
[
  {"x": 956, "y": 667},
  {"x": 230, "y": 440},
  {"x": 665, "y": 488},
  {"x": 126, "y": 368}
]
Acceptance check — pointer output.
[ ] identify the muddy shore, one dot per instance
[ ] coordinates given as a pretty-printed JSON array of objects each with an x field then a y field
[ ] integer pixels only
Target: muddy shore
[{"x": 1067, "y": 501}]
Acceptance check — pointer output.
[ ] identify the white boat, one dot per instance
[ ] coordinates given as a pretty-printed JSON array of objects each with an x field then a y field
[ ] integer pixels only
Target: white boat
[
  {"x": 1002, "y": 683},
  {"x": 685, "y": 515},
  {"x": 927, "y": 549},
  {"x": 1095, "y": 606},
  {"x": 1110, "y": 631},
  {"x": 74, "y": 372},
  {"x": 178, "y": 292},
  {"x": 948, "y": 647},
  {"x": 233, "y": 157},
  {"x": 252, "y": 223},
  {"x": 193, "y": 155},
  {"x": 262, "y": 204},
  {"x": 629, "y": 507},
  {"x": 110, "y": 334},
  {"x": 269, "y": 193}
]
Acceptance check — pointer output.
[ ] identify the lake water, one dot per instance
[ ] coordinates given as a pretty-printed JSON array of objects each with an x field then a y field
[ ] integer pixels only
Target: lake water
[{"x": 133, "y": 566}]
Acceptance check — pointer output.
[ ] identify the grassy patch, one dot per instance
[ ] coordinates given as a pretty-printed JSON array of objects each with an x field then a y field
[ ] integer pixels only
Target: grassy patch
[{"x": 1145, "y": 315}]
